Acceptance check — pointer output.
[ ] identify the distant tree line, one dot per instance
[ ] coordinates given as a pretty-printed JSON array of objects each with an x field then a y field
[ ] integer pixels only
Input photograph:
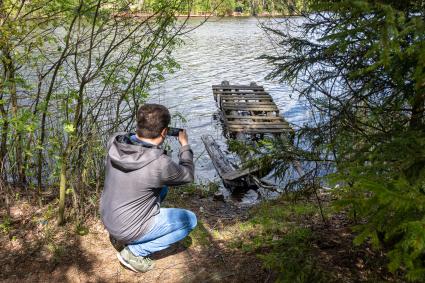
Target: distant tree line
[{"x": 242, "y": 7}]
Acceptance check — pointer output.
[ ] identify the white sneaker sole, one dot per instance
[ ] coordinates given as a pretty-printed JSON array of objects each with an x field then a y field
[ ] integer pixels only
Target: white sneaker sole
[{"x": 125, "y": 263}]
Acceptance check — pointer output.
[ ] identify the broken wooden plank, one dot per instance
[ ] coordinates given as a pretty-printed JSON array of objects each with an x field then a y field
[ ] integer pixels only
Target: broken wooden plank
[
  {"x": 247, "y": 103},
  {"x": 260, "y": 131},
  {"x": 226, "y": 171},
  {"x": 228, "y": 92},
  {"x": 239, "y": 173},
  {"x": 220, "y": 162},
  {"x": 246, "y": 97},
  {"x": 261, "y": 123},
  {"x": 263, "y": 126},
  {"x": 253, "y": 117},
  {"x": 259, "y": 108},
  {"x": 243, "y": 87}
]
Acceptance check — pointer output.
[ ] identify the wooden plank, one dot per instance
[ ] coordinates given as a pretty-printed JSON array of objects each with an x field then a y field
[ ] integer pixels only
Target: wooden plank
[
  {"x": 276, "y": 122},
  {"x": 260, "y": 131},
  {"x": 226, "y": 92},
  {"x": 253, "y": 117},
  {"x": 252, "y": 100},
  {"x": 220, "y": 162},
  {"x": 237, "y": 87},
  {"x": 239, "y": 173},
  {"x": 246, "y": 97},
  {"x": 252, "y": 108},
  {"x": 247, "y": 100},
  {"x": 242, "y": 104},
  {"x": 258, "y": 126}
]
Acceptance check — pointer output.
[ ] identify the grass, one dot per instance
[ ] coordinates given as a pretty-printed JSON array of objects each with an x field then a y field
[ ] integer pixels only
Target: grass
[
  {"x": 178, "y": 195},
  {"x": 287, "y": 236},
  {"x": 276, "y": 233},
  {"x": 5, "y": 224},
  {"x": 199, "y": 236}
]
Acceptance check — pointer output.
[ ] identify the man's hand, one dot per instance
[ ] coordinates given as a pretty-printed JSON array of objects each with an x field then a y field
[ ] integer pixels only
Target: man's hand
[{"x": 183, "y": 139}]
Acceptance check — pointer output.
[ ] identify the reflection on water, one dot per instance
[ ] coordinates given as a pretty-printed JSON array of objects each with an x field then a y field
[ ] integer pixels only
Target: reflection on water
[{"x": 221, "y": 49}]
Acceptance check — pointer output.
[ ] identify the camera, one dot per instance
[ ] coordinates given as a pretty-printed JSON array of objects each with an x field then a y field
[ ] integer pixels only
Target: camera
[{"x": 174, "y": 132}]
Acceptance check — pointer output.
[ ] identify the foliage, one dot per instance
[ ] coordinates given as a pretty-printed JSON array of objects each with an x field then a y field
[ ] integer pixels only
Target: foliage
[
  {"x": 198, "y": 237},
  {"x": 286, "y": 159},
  {"x": 73, "y": 72},
  {"x": 291, "y": 258},
  {"x": 227, "y": 7},
  {"x": 282, "y": 243},
  {"x": 5, "y": 224},
  {"x": 360, "y": 67},
  {"x": 179, "y": 195}
]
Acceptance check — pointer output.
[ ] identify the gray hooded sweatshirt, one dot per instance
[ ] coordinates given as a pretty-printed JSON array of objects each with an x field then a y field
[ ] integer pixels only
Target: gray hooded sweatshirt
[{"x": 135, "y": 175}]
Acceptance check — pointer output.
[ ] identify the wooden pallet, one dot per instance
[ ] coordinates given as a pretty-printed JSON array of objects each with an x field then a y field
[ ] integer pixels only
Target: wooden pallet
[{"x": 248, "y": 109}]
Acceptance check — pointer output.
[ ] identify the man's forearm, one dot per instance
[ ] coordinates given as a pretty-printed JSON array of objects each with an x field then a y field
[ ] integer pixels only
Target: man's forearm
[{"x": 183, "y": 172}]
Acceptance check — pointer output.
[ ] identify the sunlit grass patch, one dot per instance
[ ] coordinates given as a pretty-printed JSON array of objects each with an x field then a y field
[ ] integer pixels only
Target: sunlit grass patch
[
  {"x": 200, "y": 236},
  {"x": 276, "y": 232},
  {"x": 57, "y": 252},
  {"x": 5, "y": 224},
  {"x": 292, "y": 258},
  {"x": 179, "y": 195}
]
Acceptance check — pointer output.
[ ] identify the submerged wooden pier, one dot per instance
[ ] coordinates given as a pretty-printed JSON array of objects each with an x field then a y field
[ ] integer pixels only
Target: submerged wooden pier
[{"x": 246, "y": 110}]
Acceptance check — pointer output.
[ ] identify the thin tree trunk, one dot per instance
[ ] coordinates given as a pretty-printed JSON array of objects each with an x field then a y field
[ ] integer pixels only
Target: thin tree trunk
[
  {"x": 48, "y": 97},
  {"x": 4, "y": 132},
  {"x": 10, "y": 79},
  {"x": 62, "y": 188}
]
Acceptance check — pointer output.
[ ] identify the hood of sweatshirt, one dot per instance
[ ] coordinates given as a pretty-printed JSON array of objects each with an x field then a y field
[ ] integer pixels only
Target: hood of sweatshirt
[{"x": 126, "y": 155}]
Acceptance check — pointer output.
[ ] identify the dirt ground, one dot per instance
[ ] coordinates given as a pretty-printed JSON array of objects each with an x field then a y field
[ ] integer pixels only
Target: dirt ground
[{"x": 35, "y": 250}]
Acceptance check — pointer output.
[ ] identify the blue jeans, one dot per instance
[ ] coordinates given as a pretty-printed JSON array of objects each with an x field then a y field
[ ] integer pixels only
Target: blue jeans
[{"x": 170, "y": 225}]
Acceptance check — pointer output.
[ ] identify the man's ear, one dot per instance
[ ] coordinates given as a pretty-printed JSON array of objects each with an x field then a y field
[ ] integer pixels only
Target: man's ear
[{"x": 164, "y": 132}]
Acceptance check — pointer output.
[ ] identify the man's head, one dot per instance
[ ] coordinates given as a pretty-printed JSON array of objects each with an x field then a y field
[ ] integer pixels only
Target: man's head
[{"x": 152, "y": 119}]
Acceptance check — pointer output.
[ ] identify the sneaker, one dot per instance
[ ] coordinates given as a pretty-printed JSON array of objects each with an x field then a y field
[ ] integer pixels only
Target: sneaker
[{"x": 135, "y": 263}]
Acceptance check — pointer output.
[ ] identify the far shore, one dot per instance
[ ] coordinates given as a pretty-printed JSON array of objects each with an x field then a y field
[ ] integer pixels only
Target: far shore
[{"x": 203, "y": 15}]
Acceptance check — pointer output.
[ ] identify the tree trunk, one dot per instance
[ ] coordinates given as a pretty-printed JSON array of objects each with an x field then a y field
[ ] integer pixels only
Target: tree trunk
[
  {"x": 9, "y": 68},
  {"x": 62, "y": 189}
]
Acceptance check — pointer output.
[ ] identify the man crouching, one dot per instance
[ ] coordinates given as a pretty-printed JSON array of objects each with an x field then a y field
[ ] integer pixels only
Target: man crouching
[{"x": 138, "y": 172}]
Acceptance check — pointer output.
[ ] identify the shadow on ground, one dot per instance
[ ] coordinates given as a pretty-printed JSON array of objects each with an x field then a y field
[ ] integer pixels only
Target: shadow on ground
[{"x": 35, "y": 250}]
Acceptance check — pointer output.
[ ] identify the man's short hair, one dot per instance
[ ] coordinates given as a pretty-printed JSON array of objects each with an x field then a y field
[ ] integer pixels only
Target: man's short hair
[{"x": 151, "y": 120}]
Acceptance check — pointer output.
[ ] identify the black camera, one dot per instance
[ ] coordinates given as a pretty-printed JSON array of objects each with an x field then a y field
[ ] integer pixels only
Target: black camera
[{"x": 174, "y": 132}]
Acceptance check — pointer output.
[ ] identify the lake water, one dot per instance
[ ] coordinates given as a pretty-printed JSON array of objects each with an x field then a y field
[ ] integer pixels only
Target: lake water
[{"x": 221, "y": 49}]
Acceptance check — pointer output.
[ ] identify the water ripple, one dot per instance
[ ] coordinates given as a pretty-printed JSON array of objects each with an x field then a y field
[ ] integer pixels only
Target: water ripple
[{"x": 225, "y": 49}]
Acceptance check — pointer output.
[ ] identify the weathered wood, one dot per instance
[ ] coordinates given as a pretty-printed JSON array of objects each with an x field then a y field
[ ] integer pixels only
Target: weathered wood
[
  {"x": 260, "y": 131},
  {"x": 258, "y": 126},
  {"x": 246, "y": 110},
  {"x": 251, "y": 108},
  {"x": 224, "y": 168},
  {"x": 244, "y": 87},
  {"x": 250, "y": 103},
  {"x": 236, "y": 174},
  {"x": 245, "y": 92},
  {"x": 245, "y": 97},
  {"x": 220, "y": 162},
  {"x": 261, "y": 123},
  {"x": 253, "y": 117}
]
